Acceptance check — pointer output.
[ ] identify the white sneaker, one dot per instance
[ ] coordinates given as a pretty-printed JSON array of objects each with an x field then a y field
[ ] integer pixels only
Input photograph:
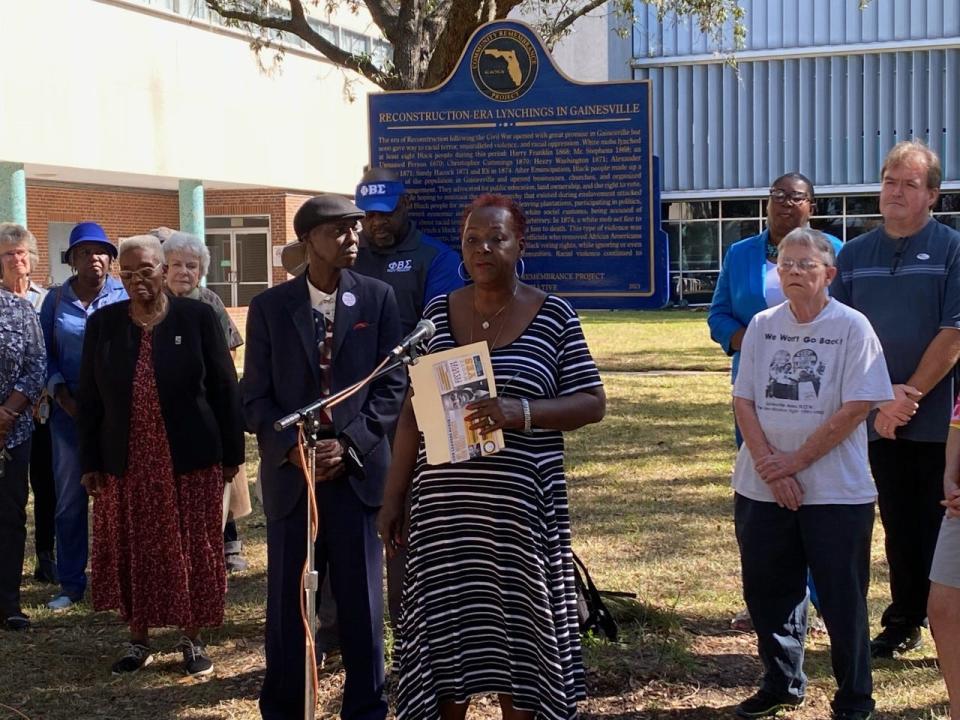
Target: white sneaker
[{"x": 61, "y": 602}]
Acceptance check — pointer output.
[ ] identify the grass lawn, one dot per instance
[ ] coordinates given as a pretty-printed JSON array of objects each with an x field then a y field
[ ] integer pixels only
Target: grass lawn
[{"x": 652, "y": 514}]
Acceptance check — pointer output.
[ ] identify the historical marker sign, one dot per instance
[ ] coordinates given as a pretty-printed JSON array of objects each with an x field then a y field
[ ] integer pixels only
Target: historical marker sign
[{"x": 576, "y": 156}]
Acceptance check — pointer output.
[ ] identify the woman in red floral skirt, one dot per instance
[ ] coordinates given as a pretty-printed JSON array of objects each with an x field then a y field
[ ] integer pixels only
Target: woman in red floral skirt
[{"x": 160, "y": 433}]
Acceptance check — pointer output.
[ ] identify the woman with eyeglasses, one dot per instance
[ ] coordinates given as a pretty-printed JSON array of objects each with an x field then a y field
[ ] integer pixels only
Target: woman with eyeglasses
[
  {"x": 749, "y": 282},
  {"x": 160, "y": 433},
  {"x": 63, "y": 316},
  {"x": 804, "y": 494},
  {"x": 187, "y": 258}
]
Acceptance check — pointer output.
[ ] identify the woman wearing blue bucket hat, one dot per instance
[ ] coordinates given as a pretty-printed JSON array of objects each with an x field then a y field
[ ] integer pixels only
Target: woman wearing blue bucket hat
[{"x": 63, "y": 318}]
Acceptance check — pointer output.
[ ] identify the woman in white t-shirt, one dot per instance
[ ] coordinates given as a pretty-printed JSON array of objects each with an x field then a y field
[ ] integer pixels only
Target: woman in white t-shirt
[{"x": 804, "y": 493}]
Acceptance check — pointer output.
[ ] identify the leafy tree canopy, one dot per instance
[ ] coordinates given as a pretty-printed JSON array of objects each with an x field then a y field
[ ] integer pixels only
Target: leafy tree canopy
[{"x": 428, "y": 35}]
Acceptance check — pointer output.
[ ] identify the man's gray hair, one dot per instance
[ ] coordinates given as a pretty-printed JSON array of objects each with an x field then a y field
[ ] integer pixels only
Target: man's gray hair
[
  {"x": 810, "y": 238},
  {"x": 14, "y": 235},
  {"x": 190, "y": 245},
  {"x": 141, "y": 242}
]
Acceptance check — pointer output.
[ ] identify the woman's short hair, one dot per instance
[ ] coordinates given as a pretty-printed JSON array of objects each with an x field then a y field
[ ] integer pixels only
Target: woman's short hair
[
  {"x": 500, "y": 201},
  {"x": 190, "y": 245},
  {"x": 141, "y": 242},
  {"x": 904, "y": 153},
  {"x": 14, "y": 235},
  {"x": 810, "y": 238}
]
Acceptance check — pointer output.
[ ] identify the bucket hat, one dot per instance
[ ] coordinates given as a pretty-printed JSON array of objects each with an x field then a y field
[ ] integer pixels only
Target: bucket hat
[{"x": 92, "y": 233}]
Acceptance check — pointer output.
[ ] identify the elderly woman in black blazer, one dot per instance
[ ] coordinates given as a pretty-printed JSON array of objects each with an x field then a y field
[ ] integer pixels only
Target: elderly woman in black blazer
[{"x": 160, "y": 432}]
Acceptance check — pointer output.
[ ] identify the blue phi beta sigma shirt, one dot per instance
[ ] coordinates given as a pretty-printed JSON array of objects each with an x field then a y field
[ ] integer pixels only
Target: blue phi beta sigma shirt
[
  {"x": 909, "y": 289},
  {"x": 64, "y": 321}
]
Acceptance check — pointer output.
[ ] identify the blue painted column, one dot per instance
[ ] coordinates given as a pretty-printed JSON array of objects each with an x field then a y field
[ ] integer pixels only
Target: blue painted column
[
  {"x": 192, "y": 212},
  {"x": 191, "y": 207},
  {"x": 13, "y": 193}
]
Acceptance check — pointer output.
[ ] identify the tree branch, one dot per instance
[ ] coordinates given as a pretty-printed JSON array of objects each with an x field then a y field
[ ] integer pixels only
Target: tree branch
[
  {"x": 384, "y": 15},
  {"x": 298, "y": 25},
  {"x": 561, "y": 26}
]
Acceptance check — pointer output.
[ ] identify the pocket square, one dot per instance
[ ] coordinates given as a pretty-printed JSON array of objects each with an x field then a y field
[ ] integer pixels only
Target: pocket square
[{"x": 361, "y": 325}]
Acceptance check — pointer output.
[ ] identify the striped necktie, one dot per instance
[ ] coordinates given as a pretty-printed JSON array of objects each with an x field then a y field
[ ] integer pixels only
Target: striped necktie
[{"x": 323, "y": 330}]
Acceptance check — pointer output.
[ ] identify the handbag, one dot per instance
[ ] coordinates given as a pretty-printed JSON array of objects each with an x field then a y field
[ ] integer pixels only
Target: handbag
[{"x": 592, "y": 612}]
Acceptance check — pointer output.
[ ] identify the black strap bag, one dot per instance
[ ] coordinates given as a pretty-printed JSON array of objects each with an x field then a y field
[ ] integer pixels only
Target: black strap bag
[{"x": 592, "y": 612}]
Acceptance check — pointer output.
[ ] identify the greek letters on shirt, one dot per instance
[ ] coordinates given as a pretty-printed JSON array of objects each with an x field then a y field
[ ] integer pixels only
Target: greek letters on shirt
[{"x": 400, "y": 266}]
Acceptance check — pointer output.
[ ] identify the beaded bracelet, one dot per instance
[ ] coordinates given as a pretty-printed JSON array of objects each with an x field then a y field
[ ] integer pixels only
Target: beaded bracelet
[{"x": 527, "y": 416}]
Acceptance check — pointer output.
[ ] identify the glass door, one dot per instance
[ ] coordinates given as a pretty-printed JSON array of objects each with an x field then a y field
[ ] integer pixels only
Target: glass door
[
  {"x": 240, "y": 258},
  {"x": 220, "y": 273}
]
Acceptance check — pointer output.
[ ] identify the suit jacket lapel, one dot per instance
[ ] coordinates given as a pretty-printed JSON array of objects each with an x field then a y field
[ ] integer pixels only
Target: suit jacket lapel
[
  {"x": 348, "y": 310},
  {"x": 298, "y": 304}
]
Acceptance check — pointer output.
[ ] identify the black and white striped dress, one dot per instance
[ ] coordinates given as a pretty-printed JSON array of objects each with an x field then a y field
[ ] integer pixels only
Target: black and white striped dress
[{"x": 488, "y": 601}]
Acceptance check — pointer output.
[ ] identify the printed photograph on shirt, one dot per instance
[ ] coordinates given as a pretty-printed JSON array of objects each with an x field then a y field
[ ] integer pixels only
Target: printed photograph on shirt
[
  {"x": 795, "y": 377},
  {"x": 800, "y": 370}
]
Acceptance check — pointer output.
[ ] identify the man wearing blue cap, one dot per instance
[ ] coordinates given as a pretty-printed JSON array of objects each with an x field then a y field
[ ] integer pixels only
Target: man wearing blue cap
[
  {"x": 393, "y": 249},
  {"x": 63, "y": 317}
]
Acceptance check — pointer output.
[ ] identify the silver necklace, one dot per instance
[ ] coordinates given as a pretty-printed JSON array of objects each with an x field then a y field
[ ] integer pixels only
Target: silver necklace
[{"x": 485, "y": 322}]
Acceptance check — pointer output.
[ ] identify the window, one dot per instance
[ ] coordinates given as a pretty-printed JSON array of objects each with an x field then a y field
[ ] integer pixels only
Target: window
[{"x": 702, "y": 231}]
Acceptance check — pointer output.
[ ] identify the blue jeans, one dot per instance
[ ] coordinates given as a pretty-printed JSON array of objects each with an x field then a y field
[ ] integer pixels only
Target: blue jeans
[
  {"x": 71, "y": 515},
  {"x": 776, "y": 547}
]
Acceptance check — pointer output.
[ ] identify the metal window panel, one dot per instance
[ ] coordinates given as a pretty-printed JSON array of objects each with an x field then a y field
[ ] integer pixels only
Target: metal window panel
[
  {"x": 715, "y": 125},
  {"x": 951, "y": 19},
  {"x": 806, "y": 100},
  {"x": 838, "y": 115},
  {"x": 671, "y": 119},
  {"x": 775, "y": 108},
  {"x": 761, "y": 136},
  {"x": 821, "y": 22},
  {"x": 730, "y": 97},
  {"x": 745, "y": 133},
  {"x": 871, "y": 117},
  {"x": 854, "y": 117},
  {"x": 700, "y": 135},
  {"x": 951, "y": 118}
]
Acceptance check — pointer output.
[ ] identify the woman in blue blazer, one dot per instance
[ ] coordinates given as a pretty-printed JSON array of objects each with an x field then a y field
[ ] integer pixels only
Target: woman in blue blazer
[{"x": 749, "y": 283}]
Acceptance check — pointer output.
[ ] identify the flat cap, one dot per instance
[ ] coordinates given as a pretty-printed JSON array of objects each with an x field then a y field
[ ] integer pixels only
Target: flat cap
[{"x": 322, "y": 209}]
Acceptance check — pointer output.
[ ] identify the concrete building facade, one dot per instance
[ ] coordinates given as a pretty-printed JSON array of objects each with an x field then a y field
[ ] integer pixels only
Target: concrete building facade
[{"x": 140, "y": 113}]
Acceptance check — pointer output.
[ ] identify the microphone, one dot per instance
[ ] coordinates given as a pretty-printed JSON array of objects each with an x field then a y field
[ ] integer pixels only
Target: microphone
[{"x": 423, "y": 331}]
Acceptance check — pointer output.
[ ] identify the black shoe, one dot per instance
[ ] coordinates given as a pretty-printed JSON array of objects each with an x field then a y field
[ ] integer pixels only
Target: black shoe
[
  {"x": 764, "y": 704},
  {"x": 16, "y": 621},
  {"x": 851, "y": 715},
  {"x": 895, "y": 639},
  {"x": 46, "y": 569},
  {"x": 135, "y": 656},
  {"x": 195, "y": 660}
]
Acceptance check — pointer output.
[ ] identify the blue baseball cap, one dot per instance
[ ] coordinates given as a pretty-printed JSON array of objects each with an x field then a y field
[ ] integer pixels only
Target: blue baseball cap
[
  {"x": 381, "y": 196},
  {"x": 92, "y": 233}
]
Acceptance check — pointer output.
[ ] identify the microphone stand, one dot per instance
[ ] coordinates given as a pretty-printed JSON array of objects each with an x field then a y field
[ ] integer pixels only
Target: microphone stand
[{"x": 307, "y": 419}]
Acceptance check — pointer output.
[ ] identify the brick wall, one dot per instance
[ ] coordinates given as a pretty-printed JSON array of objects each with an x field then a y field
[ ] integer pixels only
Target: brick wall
[
  {"x": 278, "y": 204},
  {"x": 121, "y": 211},
  {"x": 130, "y": 211}
]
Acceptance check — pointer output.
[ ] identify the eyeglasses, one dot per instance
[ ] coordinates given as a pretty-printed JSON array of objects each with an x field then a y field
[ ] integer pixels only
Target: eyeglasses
[
  {"x": 804, "y": 265},
  {"x": 782, "y": 196},
  {"x": 141, "y": 274}
]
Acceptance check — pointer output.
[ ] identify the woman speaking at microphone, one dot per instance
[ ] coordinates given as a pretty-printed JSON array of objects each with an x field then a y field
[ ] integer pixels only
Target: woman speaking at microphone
[{"x": 489, "y": 603}]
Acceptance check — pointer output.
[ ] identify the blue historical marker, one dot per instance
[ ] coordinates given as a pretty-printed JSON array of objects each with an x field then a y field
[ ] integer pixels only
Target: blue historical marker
[{"x": 576, "y": 156}]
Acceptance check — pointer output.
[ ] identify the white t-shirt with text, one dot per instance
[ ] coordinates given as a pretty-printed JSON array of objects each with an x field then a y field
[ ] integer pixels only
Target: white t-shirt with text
[{"x": 798, "y": 375}]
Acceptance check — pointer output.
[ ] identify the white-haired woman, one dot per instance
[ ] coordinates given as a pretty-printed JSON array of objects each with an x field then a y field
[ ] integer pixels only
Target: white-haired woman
[
  {"x": 811, "y": 369},
  {"x": 18, "y": 258},
  {"x": 187, "y": 259},
  {"x": 160, "y": 431}
]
